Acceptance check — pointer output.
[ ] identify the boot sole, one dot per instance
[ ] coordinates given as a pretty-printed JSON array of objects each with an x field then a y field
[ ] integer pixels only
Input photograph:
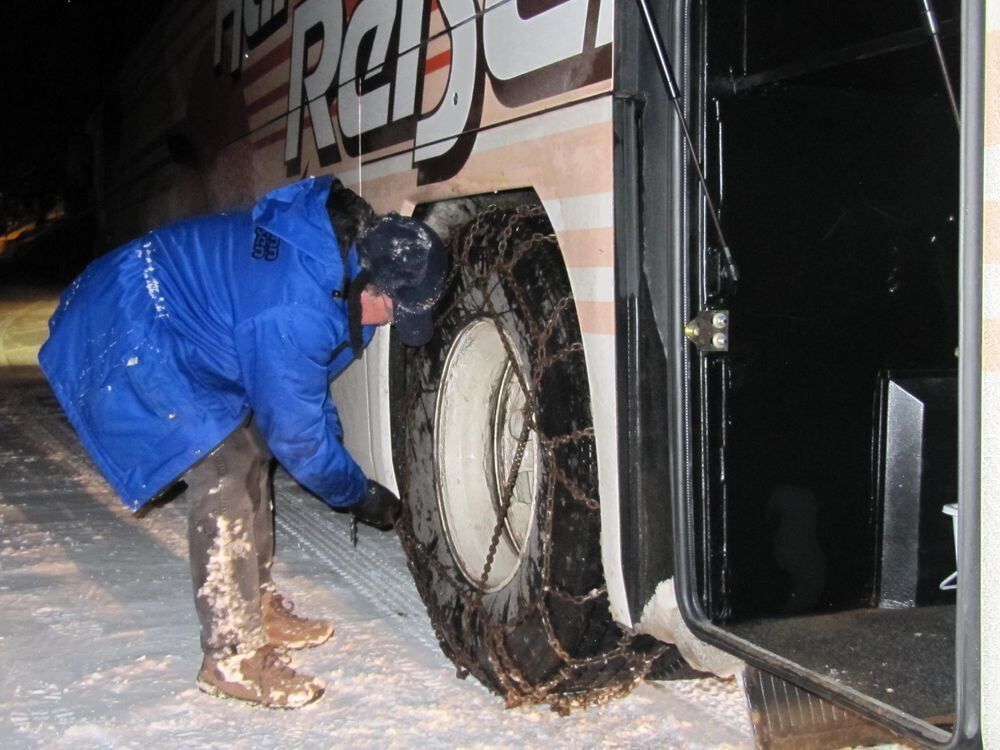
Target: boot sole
[{"x": 216, "y": 691}]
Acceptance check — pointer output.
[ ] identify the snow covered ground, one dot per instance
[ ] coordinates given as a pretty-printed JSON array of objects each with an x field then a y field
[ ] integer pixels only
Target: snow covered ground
[{"x": 99, "y": 640}]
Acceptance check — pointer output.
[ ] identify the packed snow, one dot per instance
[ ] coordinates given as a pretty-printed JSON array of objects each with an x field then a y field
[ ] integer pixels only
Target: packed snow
[{"x": 99, "y": 639}]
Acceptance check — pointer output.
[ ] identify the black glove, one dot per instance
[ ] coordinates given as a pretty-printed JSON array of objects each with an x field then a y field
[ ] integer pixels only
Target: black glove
[{"x": 378, "y": 507}]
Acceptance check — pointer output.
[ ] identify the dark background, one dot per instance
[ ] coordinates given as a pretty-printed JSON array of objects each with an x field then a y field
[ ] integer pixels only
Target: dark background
[{"x": 57, "y": 58}]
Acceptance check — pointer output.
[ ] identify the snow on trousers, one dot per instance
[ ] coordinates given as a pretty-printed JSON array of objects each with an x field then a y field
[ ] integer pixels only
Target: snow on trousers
[{"x": 231, "y": 541}]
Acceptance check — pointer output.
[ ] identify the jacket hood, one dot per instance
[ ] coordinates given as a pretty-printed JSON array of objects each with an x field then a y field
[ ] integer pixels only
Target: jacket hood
[{"x": 297, "y": 214}]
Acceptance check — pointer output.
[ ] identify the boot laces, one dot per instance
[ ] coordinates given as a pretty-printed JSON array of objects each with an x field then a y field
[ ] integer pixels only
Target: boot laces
[
  {"x": 285, "y": 608},
  {"x": 275, "y": 658}
]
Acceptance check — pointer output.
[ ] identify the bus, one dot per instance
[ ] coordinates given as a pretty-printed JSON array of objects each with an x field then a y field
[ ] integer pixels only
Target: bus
[{"x": 714, "y": 385}]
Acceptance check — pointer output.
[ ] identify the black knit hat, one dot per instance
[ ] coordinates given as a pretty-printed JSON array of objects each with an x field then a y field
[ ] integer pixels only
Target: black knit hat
[{"x": 407, "y": 261}]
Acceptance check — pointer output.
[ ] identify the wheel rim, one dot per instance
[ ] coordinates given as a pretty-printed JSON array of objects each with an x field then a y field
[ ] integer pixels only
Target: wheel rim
[{"x": 478, "y": 421}]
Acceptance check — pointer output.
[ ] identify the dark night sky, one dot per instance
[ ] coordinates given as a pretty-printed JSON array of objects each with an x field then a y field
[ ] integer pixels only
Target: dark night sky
[{"x": 56, "y": 57}]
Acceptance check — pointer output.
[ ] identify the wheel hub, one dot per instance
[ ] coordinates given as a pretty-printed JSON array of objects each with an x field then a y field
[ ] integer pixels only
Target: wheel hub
[{"x": 479, "y": 420}]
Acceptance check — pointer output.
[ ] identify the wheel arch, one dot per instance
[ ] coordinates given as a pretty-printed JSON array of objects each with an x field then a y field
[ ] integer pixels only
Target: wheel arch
[{"x": 584, "y": 230}]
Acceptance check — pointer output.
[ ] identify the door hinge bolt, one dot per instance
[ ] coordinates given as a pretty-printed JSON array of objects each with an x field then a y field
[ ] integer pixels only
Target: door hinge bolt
[{"x": 709, "y": 331}]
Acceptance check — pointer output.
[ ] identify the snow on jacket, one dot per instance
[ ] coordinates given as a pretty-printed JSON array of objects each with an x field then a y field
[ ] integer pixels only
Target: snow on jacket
[{"x": 163, "y": 347}]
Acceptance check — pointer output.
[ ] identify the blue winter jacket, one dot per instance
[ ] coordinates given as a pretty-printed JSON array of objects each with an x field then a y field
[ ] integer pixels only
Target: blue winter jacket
[{"x": 160, "y": 349}]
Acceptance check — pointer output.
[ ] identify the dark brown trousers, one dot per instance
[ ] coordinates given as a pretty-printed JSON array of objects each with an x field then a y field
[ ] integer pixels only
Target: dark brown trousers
[{"x": 231, "y": 540}]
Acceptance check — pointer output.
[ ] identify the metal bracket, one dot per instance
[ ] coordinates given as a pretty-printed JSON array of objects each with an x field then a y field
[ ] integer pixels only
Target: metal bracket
[{"x": 709, "y": 331}]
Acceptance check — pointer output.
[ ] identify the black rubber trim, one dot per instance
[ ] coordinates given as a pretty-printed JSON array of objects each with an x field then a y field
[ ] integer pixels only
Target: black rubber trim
[{"x": 642, "y": 162}]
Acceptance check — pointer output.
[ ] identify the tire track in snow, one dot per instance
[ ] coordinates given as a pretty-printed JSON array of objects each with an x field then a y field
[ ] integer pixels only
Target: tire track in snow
[{"x": 376, "y": 568}]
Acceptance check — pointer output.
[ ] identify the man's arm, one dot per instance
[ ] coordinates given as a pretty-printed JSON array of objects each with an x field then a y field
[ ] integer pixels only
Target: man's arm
[{"x": 284, "y": 354}]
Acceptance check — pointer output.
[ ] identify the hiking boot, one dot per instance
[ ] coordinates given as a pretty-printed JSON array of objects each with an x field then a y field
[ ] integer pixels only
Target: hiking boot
[
  {"x": 285, "y": 628},
  {"x": 262, "y": 677}
]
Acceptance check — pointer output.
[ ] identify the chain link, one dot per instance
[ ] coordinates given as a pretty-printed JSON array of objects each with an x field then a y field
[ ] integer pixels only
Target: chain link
[{"x": 625, "y": 665}]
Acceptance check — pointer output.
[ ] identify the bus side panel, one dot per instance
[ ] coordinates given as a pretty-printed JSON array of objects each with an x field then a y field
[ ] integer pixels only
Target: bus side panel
[{"x": 408, "y": 103}]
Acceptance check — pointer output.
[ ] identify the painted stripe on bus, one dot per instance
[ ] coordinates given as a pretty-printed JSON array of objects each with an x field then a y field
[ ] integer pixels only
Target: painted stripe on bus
[
  {"x": 588, "y": 247},
  {"x": 581, "y": 212},
  {"x": 594, "y": 284},
  {"x": 437, "y": 62},
  {"x": 520, "y": 164},
  {"x": 275, "y": 58},
  {"x": 991, "y": 291},
  {"x": 279, "y": 94},
  {"x": 595, "y": 318},
  {"x": 991, "y": 75},
  {"x": 558, "y": 121},
  {"x": 991, "y": 239},
  {"x": 551, "y": 122}
]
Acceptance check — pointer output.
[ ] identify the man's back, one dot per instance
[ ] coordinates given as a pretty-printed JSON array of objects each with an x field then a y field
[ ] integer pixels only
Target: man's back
[{"x": 151, "y": 349}]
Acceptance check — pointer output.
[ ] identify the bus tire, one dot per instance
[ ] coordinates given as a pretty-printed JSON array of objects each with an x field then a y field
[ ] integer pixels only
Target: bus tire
[{"x": 540, "y": 629}]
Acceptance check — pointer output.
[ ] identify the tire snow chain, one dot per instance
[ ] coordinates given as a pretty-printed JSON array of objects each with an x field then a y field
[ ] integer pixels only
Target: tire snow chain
[{"x": 518, "y": 689}]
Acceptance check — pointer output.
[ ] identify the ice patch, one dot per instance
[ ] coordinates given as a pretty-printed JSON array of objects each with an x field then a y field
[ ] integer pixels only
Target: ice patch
[{"x": 661, "y": 618}]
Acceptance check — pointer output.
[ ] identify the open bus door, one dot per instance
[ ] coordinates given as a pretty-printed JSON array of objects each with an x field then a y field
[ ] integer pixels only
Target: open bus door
[{"x": 824, "y": 403}]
